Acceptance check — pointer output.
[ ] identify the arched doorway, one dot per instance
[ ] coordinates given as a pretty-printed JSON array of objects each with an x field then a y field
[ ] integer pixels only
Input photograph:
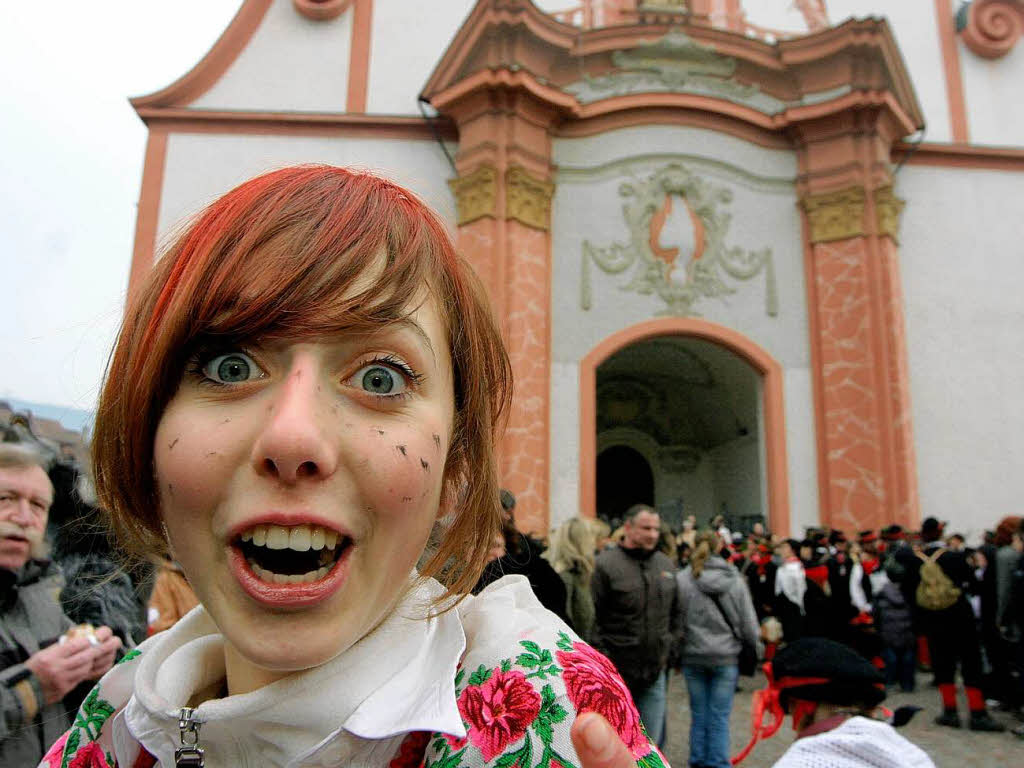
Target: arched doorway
[
  {"x": 624, "y": 478},
  {"x": 732, "y": 417}
]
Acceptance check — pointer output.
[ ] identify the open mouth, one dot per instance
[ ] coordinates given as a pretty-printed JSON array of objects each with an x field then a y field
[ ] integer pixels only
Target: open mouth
[{"x": 295, "y": 554}]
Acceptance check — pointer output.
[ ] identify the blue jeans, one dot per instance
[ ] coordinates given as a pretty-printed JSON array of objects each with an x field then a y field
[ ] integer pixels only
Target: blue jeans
[
  {"x": 651, "y": 705},
  {"x": 900, "y": 665},
  {"x": 711, "y": 690}
]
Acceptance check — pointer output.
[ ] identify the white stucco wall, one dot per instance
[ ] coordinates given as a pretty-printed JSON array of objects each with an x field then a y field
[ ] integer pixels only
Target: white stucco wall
[
  {"x": 994, "y": 96},
  {"x": 290, "y": 63},
  {"x": 587, "y": 206},
  {"x": 202, "y": 166},
  {"x": 409, "y": 39},
  {"x": 962, "y": 251}
]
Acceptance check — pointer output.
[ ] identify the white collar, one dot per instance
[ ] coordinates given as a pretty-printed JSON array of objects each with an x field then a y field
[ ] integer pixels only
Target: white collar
[{"x": 397, "y": 679}]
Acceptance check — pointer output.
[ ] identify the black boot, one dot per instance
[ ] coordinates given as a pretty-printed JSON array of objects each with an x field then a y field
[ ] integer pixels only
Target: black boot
[
  {"x": 949, "y": 717},
  {"x": 982, "y": 721}
]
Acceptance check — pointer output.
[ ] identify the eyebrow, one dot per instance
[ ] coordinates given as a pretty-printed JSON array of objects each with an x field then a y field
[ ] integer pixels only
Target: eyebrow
[{"x": 417, "y": 329}]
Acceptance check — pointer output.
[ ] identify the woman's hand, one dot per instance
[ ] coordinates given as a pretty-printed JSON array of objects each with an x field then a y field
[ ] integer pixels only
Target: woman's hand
[{"x": 597, "y": 743}]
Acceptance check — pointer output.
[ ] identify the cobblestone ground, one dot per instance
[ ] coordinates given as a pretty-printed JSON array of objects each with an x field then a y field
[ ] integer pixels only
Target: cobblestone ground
[{"x": 948, "y": 747}]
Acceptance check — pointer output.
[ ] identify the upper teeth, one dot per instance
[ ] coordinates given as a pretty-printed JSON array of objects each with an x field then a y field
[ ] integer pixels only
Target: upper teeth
[{"x": 301, "y": 538}]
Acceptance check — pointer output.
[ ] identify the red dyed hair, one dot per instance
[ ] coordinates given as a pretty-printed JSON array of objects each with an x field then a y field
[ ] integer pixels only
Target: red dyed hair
[
  {"x": 1005, "y": 530},
  {"x": 280, "y": 256}
]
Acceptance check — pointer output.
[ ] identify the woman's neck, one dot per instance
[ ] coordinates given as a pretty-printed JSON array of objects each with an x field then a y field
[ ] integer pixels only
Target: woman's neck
[{"x": 243, "y": 676}]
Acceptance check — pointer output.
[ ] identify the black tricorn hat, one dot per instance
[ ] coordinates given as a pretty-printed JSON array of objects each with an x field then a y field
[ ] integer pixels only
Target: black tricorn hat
[{"x": 835, "y": 673}]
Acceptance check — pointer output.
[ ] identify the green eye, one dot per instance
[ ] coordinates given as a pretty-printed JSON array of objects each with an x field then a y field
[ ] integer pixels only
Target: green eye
[
  {"x": 378, "y": 380},
  {"x": 232, "y": 368}
]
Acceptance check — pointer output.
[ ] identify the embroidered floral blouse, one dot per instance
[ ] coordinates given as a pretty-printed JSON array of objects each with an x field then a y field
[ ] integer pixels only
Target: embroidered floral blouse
[{"x": 521, "y": 677}]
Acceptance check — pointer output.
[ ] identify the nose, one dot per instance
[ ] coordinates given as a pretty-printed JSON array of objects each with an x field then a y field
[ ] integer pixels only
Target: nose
[
  {"x": 22, "y": 513},
  {"x": 294, "y": 443}
]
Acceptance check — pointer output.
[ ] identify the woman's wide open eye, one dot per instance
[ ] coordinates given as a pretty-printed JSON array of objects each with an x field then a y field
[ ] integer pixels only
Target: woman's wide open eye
[
  {"x": 232, "y": 368},
  {"x": 378, "y": 380}
]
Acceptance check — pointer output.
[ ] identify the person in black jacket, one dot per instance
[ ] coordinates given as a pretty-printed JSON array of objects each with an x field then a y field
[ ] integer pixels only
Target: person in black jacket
[
  {"x": 522, "y": 556},
  {"x": 635, "y": 606},
  {"x": 951, "y": 632}
]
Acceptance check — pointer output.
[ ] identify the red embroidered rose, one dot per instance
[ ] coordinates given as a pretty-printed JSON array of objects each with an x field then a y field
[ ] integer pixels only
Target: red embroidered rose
[
  {"x": 498, "y": 712},
  {"x": 53, "y": 757},
  {"x": 410, "y": 753},
  {"x": 89, "y": 756},
  {"x": 594, "y": 685},
  {"x": 455, "y": 743}
]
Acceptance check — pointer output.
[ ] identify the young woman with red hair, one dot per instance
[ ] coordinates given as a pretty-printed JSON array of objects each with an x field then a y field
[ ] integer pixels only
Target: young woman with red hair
[{"x": 306, "y": 392}]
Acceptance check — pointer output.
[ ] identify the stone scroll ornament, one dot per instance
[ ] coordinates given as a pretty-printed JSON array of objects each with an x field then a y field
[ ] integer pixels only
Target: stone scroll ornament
[{"x": 697, "y": 263}]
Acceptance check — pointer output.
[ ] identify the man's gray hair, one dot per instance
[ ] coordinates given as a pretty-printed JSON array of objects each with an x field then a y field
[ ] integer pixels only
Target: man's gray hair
[
  {"x": 21, "y": 456},
  {"x": 636, "y": 509}
]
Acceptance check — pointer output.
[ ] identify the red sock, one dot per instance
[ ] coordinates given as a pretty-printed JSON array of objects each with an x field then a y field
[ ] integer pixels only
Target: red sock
[
  {"x": 975, "y": 701},
  {"x": 948, "y": 691},
  {"x": 923, "y": 651}
]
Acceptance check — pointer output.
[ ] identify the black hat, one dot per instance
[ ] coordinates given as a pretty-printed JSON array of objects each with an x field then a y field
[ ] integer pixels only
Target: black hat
[
  {"x": 931, "y": 529},
  {"x": 835, "y": 674},
  {"x": 836, "y": 536},
  {"x": 893, "y": 532}
]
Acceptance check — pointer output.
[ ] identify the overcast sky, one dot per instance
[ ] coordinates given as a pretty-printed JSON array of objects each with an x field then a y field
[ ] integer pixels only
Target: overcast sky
[{"x": 71, "y": 151}]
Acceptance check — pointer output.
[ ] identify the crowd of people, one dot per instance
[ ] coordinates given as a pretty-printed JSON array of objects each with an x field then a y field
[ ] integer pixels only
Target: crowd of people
[
  {"x": 295, "y": 446},
  {"x": 654, "y": 599}
]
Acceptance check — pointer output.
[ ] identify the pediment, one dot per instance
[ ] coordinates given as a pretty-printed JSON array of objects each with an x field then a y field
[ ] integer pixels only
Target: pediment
[{"x": 672, "y": 61}]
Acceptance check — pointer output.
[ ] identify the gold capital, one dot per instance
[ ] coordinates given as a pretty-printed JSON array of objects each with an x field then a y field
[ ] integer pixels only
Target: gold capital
[
  {"x": 835, "y": 215},
  {"x": 887, "y": 212},
  {"x": 476, "y": 194},
  {"x": 528, "y": 199}
]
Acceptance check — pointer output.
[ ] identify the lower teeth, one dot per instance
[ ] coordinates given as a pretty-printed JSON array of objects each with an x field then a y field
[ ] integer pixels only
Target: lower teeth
[{"x": 283, "y": 578}]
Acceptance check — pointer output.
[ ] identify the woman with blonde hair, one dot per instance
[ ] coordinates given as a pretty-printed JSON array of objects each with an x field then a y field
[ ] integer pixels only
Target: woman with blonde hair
[
  {"x": 571, "y": 554},
  {"x": 717, "y": 617}
]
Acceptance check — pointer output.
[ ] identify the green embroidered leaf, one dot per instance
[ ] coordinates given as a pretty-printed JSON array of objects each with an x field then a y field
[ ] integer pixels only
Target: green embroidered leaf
[
  {"x": 70, "y": 747},
  {"x": 542, "y": 727},
  {"x": 651, "y": 760},
  {"x": 506, "y": 665},
  {"x": 438, "y": 744},
  {"x": 111, "y": 762},
  {"x": 526, "y": 660},
  {"x": 481, "y": 676},
  {"x": 133, "y": 653},
  {"x": 544, "y": 672},
  {"x": 531, "y": 646},
  {"x": 458, "y": 678},
  {"x": 518, "y": 759},
  {"x": 547, "y": 697},
  {"x": 557, "y": 713},
  {"x": 90, "y": 700},
  {"x": 564, "y": 642},
  {"x": 451, "y": 761}
]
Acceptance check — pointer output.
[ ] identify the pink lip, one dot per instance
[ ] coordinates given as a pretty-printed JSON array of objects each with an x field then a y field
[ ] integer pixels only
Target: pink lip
[{"x": 288, "y": 595}]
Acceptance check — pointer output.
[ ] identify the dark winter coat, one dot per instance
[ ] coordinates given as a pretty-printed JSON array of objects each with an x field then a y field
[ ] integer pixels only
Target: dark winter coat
[
  {"x": 635, "y": 604},
  {"x": 30, "y": 620},
  {"x": 893, "y": 617},
  {"x": 524, "y": 559}
]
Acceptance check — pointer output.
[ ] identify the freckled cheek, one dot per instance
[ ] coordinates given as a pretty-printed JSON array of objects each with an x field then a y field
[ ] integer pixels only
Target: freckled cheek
[
  {"x": 190, "y": 469},
  {"x": 404, "y": 474}
]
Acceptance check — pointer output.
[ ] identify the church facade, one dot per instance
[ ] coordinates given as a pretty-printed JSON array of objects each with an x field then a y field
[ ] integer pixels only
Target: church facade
[{"x": 755, "y": 258}]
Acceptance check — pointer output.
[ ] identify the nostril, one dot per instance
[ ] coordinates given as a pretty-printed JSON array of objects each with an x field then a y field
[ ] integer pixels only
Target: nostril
[
  {"x": 307, "y": 469},
  {"x": 270, "y": 466}
]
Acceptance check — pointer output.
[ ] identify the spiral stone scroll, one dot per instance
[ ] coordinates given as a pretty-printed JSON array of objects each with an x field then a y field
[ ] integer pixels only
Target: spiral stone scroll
[{"x": 991, "y": 28}]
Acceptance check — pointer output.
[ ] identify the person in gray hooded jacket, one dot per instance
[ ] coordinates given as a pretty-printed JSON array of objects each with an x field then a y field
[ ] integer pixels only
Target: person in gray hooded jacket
[{"x": 710, "y": 647}]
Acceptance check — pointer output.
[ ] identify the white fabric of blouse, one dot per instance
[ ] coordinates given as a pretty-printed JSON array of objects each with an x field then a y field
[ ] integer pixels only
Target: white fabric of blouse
[{"x": 859, "y": 742}]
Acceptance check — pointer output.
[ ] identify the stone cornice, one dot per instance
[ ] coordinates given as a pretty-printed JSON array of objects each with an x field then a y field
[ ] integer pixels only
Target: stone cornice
[{"x": 508, "y": 45}]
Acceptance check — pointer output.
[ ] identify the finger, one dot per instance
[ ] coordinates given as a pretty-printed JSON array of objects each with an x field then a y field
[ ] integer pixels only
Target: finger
[
  {"x": 597, "y": 743},
  {"x": 103, "y": 633},
  {"x": 74, "y": 646}
]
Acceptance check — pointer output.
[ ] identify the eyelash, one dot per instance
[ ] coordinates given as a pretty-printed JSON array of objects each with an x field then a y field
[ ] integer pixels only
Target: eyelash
[{"x": 198, "y": 362}]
